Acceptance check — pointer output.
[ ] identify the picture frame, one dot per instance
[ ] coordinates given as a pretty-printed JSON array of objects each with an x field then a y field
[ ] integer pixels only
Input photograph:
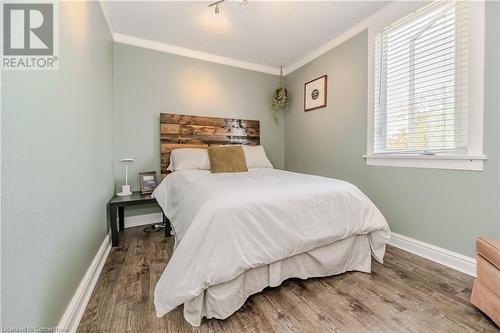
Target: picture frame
[
  {"x": 148, "y": 181},
  {"x": 316, "y": 93}
]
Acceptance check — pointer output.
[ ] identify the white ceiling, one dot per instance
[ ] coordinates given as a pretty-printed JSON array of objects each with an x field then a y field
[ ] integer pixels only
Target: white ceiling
[{"x": 270, "y": 34}]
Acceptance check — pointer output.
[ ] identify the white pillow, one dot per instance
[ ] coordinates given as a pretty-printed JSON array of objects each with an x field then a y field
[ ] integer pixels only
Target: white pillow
[
  {"x": 256, "y": 157},
  {"x": 189, "y": 159}
]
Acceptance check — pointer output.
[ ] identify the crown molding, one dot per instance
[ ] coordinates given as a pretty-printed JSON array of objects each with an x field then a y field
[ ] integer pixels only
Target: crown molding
[
  {"x": 326, "y": 47},
  {"x": 172, "y": 49},
  {"x": 346, "y": 35},
  {"x": 106, "y": 16},
  {"x": 190, "y": 53}
]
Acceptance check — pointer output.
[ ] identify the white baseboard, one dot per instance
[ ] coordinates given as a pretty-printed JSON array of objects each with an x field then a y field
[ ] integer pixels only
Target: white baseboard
[
  {"x": 74, "y": 312},
  {"x": 437, "y": 254},
  {"x": 145, "y": 219}
]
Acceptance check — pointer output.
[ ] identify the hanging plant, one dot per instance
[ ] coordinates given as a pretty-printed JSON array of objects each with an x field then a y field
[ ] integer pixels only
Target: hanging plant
[{"x": 280, "y": 99}]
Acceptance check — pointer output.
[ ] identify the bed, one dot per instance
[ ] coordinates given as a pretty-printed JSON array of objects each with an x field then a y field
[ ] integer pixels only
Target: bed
[{"x": 238, "y": 233}]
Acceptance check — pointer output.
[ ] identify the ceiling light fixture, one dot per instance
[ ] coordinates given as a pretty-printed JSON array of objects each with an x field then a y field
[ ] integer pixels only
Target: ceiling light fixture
[{"x": 216, "y": 4}]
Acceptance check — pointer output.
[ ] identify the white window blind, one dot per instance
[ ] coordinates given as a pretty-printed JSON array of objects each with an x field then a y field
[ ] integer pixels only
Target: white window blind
[{"x": 421, "y": 82}]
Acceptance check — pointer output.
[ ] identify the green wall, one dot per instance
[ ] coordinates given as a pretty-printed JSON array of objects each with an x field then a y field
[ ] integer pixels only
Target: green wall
[
  {"x": 148, "y": 83},
  {"x": 441, "y": 207},
  {"x": 57, "y": 170},
  {"x": 61, "y": 140}
]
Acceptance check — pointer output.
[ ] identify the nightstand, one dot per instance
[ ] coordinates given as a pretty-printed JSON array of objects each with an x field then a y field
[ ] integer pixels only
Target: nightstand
[{"x": 116, "y": 207}]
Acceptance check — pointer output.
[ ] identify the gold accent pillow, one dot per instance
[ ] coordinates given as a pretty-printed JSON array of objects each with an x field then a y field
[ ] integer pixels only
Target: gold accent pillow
[{"x": 227, "y": 159}]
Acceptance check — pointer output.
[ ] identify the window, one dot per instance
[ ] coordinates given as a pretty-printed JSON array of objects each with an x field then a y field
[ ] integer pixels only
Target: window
[{"x": 420, "y": 86}]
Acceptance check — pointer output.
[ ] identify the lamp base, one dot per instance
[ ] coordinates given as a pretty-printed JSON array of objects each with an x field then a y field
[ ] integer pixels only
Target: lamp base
[{"x": 125, "y": 191}]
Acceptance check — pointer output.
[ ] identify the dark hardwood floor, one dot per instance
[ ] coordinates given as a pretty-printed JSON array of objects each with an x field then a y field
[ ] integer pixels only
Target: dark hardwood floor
[{"x": 406, "y": 294}]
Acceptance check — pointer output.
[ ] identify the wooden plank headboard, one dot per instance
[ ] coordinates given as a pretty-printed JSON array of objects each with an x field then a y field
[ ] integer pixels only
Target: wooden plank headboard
[{"x": 183, "y": 131}]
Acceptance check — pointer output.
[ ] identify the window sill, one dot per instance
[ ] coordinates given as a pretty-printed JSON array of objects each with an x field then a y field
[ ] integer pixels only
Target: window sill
[{"x": 450, "y": 162}]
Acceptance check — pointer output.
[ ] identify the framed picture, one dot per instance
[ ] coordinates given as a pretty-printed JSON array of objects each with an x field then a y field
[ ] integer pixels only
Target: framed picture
[
  {"x": 148, "y": 182},
  {"x": 315, "y": 93}
]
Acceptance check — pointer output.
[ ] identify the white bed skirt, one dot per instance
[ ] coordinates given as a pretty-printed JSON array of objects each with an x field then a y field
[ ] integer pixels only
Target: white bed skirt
[{"x": 221, "y": 301}]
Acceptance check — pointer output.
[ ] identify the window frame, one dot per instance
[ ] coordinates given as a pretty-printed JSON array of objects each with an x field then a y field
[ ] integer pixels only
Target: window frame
[{"x": 474, "y": 158}]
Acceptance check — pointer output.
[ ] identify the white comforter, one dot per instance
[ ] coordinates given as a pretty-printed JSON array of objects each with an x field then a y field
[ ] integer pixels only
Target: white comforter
[{"x": 227, "y": 223}]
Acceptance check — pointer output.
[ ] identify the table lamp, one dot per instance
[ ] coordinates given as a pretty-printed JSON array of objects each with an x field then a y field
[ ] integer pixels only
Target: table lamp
[{"x": 125, "y": 188}]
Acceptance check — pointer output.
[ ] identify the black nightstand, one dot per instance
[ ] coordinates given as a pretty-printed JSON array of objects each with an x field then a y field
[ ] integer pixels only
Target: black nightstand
[{"x": 117, "y": 206}]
